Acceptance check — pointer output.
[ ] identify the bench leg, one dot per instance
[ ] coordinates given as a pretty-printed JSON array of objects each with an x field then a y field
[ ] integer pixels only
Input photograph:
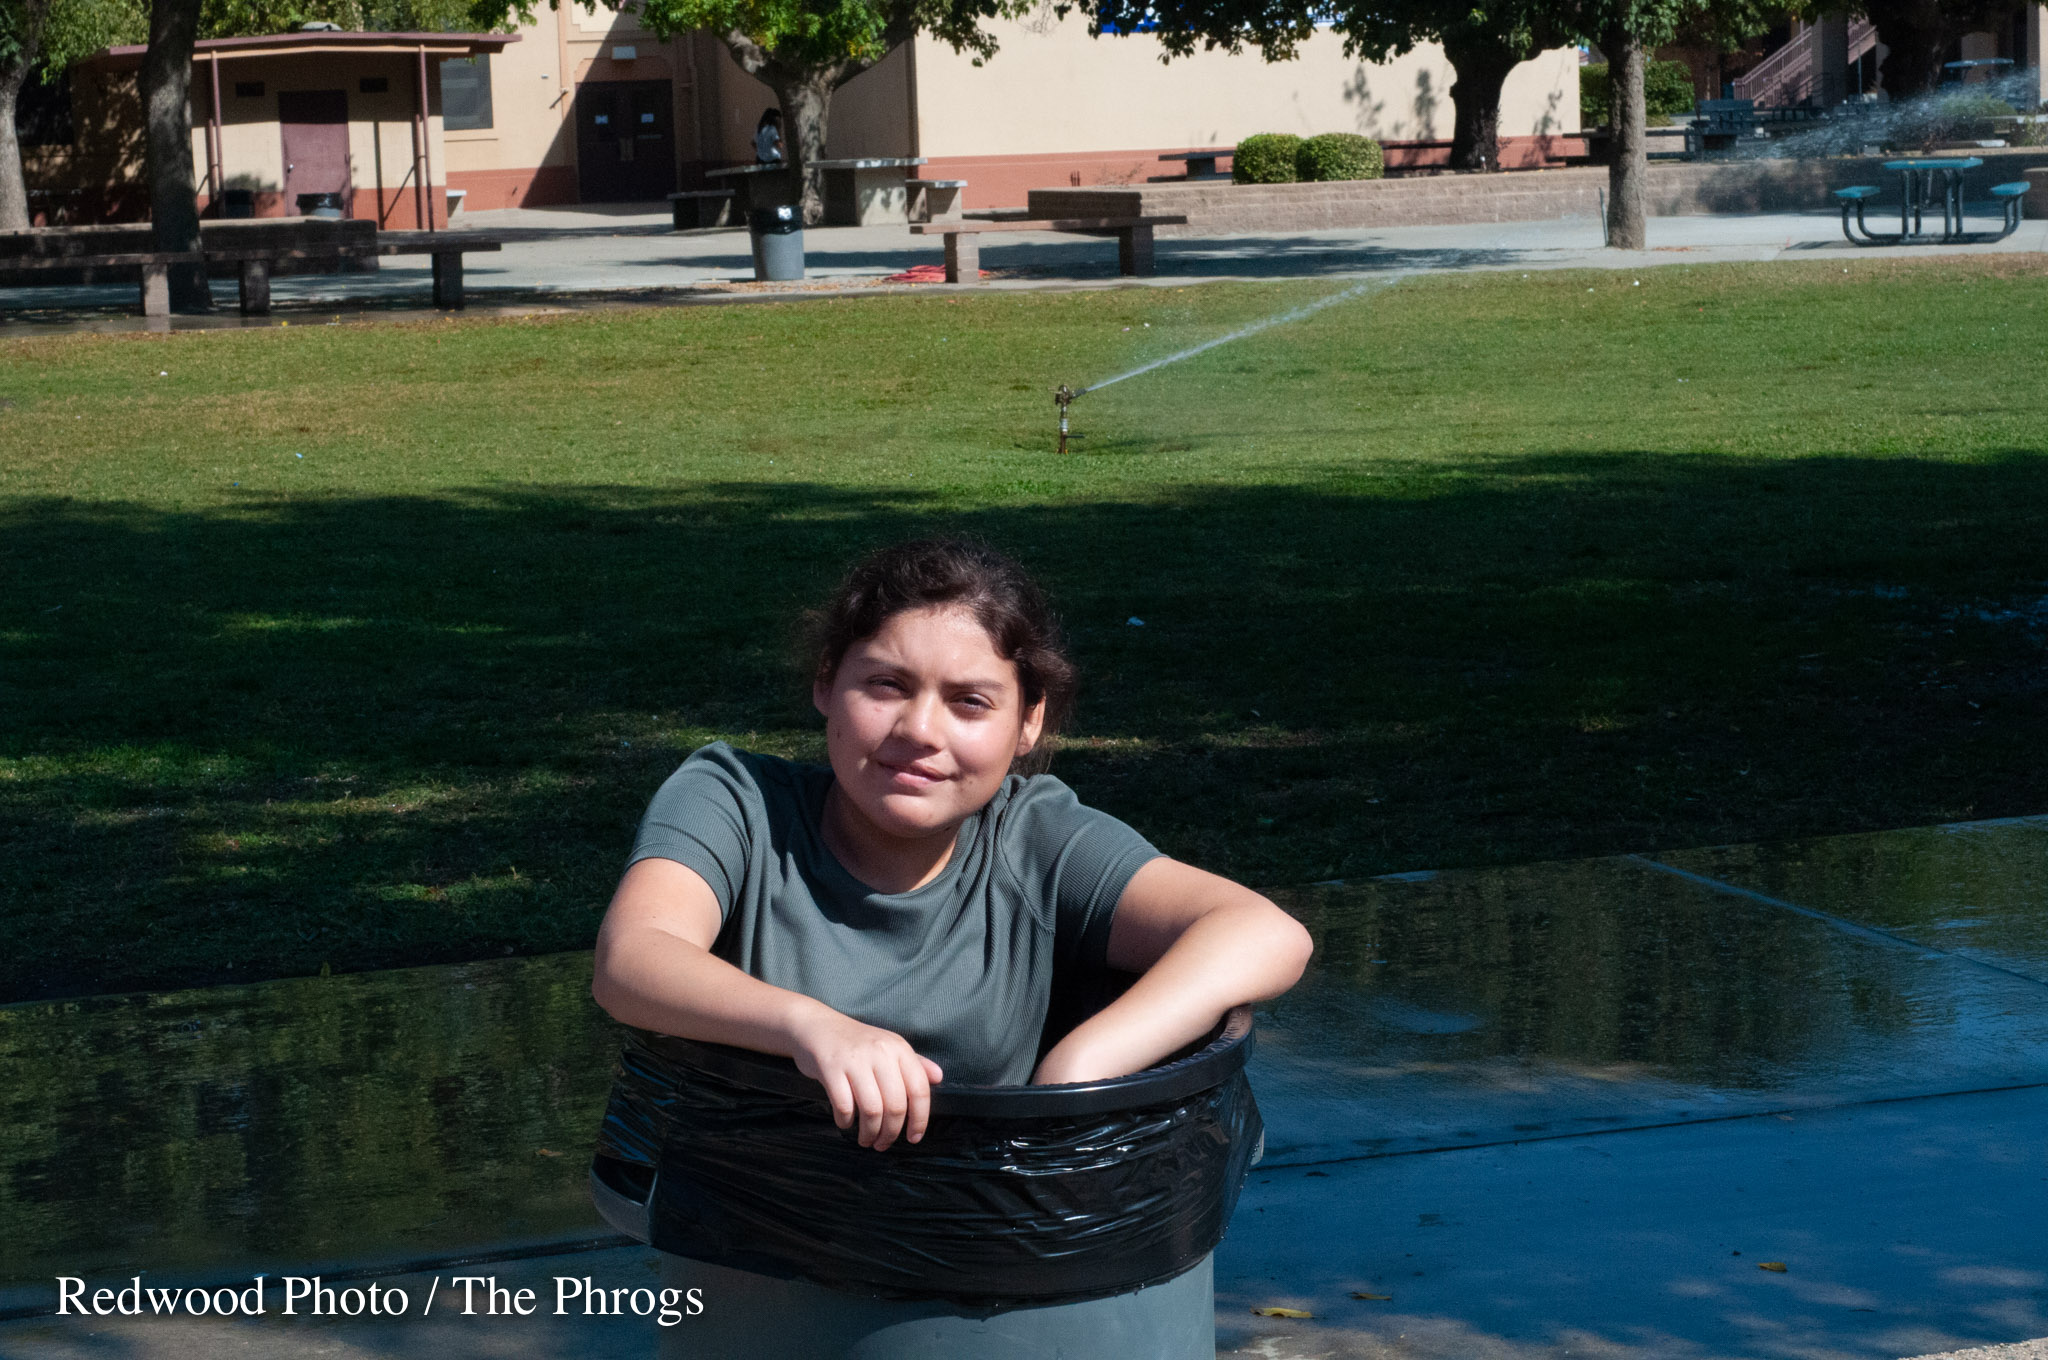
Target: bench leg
[
  {"x": 963, "y": 257},
  {"x": 156, "y": 290},
  {"x": 1134, "y": 252},
  {"x": 448, "y": 281},
  {"x": 255, "y": 288}
]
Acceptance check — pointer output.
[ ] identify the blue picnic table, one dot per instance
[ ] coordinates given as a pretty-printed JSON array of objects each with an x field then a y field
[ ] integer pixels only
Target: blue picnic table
[{"x": 1923, "y": 182}]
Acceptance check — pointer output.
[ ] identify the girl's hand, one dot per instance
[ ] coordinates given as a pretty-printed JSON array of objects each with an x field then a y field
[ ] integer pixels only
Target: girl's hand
[{"x": 869, "y": 1074}]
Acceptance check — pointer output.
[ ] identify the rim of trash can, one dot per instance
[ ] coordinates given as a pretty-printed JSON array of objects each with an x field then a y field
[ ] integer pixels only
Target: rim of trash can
[{"x": 1221, "y": 1056}]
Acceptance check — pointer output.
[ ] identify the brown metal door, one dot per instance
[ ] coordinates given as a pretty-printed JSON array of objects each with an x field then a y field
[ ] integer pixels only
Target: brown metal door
[
  {"x": 625, "y": 141},
  {"x": 314, "y": 126}
]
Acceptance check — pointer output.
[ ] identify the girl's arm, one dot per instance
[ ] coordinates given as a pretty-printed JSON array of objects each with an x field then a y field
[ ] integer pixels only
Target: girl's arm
[
  {"x": 655, "y": 970},
  {"x": 1202, "y": 945}
]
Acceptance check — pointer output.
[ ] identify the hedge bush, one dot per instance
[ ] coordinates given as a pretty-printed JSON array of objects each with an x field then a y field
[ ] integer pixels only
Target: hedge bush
[
  {"x": 1339, "y": 155},
  {"x": 1667, "y": 92},
  {"x": 1265, "y": 158}
]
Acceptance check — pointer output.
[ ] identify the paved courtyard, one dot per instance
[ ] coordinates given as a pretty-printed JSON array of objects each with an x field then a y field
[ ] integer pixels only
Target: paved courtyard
[{"x": 578, "y": 256}]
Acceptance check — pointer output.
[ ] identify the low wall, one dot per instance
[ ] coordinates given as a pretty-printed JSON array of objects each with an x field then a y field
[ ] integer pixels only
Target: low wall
[{"x": 1675, "y": 190}]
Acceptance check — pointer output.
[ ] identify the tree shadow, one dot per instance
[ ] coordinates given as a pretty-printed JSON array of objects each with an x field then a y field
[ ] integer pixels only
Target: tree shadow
[{"x": 373, "y": 731}]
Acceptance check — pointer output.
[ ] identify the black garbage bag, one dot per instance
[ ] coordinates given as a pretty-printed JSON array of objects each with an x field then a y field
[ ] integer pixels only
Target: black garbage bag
[{"x": 1014, "y": 1195}]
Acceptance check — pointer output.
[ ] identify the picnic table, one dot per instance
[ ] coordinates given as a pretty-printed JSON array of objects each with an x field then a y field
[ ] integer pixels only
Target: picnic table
[
  {"x": 866, "y": 191},
  {"x": 1923, "y": 182},
  {"x": 1201, "y": 164}
]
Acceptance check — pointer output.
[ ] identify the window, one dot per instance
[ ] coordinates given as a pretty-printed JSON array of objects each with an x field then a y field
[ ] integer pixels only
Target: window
[
  {"x": 466, "y": 93},
  {"x": 42, "y": 113}
]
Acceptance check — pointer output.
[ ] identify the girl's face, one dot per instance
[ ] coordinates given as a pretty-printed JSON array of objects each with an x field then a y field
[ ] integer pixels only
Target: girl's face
[{"x": 922, "y": 721}]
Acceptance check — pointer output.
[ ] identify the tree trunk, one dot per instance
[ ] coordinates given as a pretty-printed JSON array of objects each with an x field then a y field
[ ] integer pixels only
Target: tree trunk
[
  {"x": 13, "y": 188},
  {"x": 806, "y": 100},
  {"x": 167, "y": 117},
  {"x": 1629, "y": 172},
  {"x": 1916, "y": 36},
  {"x": 1481, "y": 65},
  {"x": 13, "y": 75}
]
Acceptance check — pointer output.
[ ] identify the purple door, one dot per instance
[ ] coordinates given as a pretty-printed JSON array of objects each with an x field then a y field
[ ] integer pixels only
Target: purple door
[{"x": 314, "y": 125}]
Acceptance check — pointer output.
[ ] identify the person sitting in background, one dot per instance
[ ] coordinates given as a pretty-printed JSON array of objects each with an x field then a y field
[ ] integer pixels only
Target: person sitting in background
[{"x": 768, "y": 138}]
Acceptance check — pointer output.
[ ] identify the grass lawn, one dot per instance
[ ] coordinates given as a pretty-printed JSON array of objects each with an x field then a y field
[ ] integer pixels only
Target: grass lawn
[{"x": 365, "y": 645}]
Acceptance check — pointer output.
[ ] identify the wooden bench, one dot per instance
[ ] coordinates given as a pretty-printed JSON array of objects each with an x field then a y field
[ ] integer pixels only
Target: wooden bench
[
  {"x": 695, "y": 209},
  {"x": 963, "y": 248},
  {"x": 446, "y": 249},
  {"x": 935, "y": 200},
  {"x": 1201, "y": 164},
  {"x": 254, "y": 265}
]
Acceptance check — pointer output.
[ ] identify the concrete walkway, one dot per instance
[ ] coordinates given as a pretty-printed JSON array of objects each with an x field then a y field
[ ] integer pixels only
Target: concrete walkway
[
  {"x": 1784, "y": 1102},
  {"x": 578, "y": 256}
]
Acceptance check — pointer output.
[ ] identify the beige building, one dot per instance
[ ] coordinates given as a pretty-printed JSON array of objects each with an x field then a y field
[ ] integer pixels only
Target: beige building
[
  {"x": 1053, "y": 106},
  {"x": 588, "y": 107}
]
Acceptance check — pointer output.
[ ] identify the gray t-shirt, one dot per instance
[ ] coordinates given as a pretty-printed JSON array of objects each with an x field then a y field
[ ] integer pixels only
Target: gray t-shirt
[{"x": 961, "y": 967}]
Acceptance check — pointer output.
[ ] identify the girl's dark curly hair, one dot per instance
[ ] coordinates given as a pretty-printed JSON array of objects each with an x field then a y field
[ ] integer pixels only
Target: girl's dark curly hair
[{"x": 970, "y": 575}]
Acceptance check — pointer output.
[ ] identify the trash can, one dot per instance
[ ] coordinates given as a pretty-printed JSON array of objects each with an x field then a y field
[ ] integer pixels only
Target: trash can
[
  {"x": 778, "y": 239},
  {"x": 1075, "y": 1220},
  {"x": 319, "y": 205}
]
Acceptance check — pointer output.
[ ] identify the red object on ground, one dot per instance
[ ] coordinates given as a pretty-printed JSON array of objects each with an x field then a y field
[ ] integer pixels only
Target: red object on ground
[{"x": 924, "y": 273}]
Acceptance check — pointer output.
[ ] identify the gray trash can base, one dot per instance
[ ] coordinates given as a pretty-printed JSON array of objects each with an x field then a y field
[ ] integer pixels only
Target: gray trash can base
[{"x": 757, "y": 1317}]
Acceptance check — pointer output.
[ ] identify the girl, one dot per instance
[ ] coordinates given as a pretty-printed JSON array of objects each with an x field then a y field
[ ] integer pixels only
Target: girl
[{"x": 894, "y": 920}]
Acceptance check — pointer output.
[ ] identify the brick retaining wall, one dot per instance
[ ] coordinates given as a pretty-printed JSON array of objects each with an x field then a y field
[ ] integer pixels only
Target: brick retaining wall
[{"x": 1519, "y": 196}]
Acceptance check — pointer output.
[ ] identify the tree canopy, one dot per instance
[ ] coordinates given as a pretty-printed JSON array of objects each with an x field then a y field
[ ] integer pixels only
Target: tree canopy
[{"x": 806, "y": 49}]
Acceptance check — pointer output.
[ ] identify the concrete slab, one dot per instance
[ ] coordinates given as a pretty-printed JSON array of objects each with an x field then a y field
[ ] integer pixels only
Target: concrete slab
[
  {"x": 1508, "y": 1004},
  {"x": 1903, "y": 1228},
  {"x": 1562, "y": 1092},
  {"x": 1976, "y": 889}
]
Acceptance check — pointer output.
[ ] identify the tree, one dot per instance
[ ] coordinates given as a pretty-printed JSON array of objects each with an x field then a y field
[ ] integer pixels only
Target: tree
[
  {"x": 175, "y": 25},
  {"x": 805, "y": 49},
  {"x": 40, "y": 39},
  {"x": 1483, "y": 43}
]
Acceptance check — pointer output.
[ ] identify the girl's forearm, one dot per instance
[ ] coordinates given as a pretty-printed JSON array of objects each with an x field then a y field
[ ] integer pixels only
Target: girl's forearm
[
  {"x": 1233, "y": 955},
  {"x": 651, "y": 979}
]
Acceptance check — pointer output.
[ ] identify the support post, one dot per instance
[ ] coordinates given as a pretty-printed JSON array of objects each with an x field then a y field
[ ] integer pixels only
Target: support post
[
  {"x": 419, "y": 146},
  {"x": 216, "y": 173},
  {"x": 255, "y": 288},
  {"x": 1134, "y": 252},
  {"x": 448, "y": 281},
  {"x": 156, "y": 289},
  {"x": 963, "y": 257},
  {"x": 427, "y": 155}
]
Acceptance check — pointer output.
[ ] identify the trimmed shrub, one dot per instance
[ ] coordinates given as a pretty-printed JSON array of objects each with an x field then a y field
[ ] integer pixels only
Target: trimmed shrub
[
  {"x": 1265, "y": 158},
  {"x": 1339, "y": 155},
  {"x": 1667, "y": 93}
]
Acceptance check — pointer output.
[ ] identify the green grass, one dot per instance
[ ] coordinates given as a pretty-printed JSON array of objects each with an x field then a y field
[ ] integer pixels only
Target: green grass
[{"x": 1473, "y": 570}]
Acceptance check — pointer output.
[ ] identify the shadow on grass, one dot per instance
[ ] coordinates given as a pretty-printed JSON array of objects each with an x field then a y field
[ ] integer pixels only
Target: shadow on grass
[{"x": 249, "y": 741}]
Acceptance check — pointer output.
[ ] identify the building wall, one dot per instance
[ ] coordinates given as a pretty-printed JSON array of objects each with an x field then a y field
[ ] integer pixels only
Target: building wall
[
  {"x": 1056, "y": 106},
  {"x": 380, "y": 128}
]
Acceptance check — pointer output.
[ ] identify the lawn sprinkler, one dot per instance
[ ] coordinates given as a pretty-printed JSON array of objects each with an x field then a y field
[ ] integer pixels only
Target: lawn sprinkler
[{"x": 1063, "y": 397}]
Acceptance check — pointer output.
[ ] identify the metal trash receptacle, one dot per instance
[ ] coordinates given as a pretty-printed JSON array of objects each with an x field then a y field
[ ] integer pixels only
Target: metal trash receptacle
[
  {"x": 777, "y": 235},
  {"x": 1006, "y": 1232}
]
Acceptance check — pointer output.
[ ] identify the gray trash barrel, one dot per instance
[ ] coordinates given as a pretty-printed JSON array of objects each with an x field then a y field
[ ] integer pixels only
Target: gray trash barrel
[
  {"x": 991, "y": 1238},
  {"x": 778, "y": 238}
]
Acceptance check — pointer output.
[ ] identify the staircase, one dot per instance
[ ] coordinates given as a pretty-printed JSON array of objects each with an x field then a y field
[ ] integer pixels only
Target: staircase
[{"x": 1790, "y": 75}]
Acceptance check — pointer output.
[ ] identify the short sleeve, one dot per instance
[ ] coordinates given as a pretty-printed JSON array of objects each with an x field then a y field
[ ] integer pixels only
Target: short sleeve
[
  {"x": 698, "y": 818},
  {"x": 1075, "y": 859}
]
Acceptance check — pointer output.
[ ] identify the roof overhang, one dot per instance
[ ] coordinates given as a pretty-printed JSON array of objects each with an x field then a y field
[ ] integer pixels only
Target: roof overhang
[{"x": 438, "y": 45}]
